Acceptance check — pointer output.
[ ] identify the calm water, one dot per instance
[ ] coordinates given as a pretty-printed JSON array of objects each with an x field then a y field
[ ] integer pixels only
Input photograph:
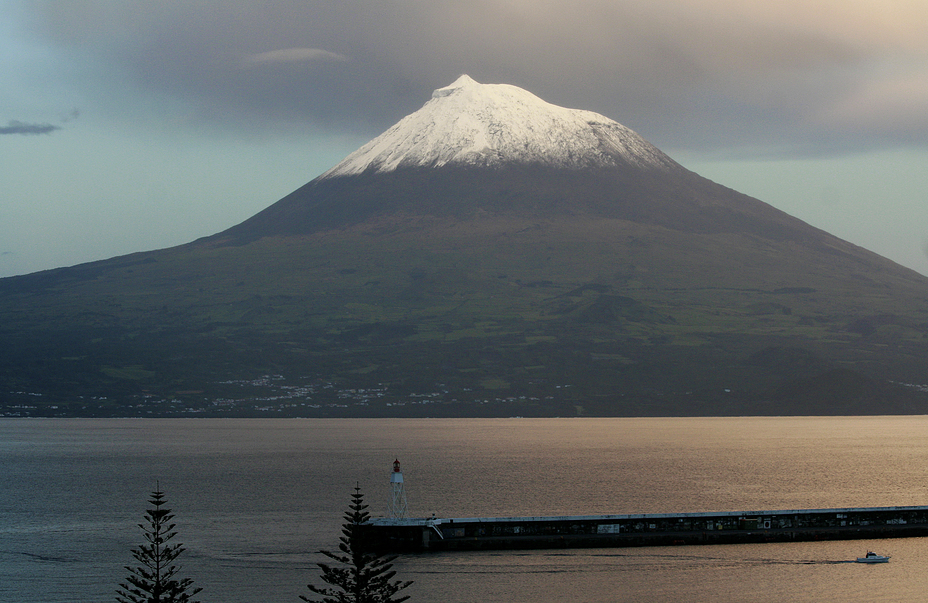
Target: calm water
[{"x": 255, "y": 498}]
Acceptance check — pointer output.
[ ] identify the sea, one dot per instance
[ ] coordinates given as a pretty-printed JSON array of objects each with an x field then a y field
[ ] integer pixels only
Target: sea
[{"x": 255, "y": 500}]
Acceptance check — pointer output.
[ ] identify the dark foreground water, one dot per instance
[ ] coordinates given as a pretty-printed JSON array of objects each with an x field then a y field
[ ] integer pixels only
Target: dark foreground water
[{"x": 255, "y": 498}]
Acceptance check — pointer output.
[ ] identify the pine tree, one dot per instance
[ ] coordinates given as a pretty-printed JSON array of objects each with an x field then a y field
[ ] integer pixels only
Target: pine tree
[
  {"x": 155, "y": 580},
  {"x": 363, "y": 576}
]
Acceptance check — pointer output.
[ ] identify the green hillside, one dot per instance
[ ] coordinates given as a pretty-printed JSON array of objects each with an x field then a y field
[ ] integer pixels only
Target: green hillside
[{"x": 425, "y": 315}]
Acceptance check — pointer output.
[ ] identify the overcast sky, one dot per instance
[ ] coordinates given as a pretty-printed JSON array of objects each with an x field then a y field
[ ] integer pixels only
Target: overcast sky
[{"x": 128, "y": 126}]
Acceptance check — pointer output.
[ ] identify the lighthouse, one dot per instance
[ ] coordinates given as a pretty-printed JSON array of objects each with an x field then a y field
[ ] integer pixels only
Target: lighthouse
[{"x": 398, "y": 506}]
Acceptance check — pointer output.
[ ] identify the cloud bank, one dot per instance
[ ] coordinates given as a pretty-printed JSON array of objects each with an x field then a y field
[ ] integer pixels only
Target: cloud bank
[{"x": 796, "y": 75}]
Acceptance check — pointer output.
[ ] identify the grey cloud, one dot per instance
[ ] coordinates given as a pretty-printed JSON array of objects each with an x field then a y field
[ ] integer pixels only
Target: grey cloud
[
  {"x": 194, "y": 52},
  {"x": 697, "y": 75},
  {"x": 18, "y": 127},
  {"x": 293, "y": 55}
]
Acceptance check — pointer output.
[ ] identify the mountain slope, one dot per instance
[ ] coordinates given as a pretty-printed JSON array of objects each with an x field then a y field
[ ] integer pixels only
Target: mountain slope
[
  {"x": 491, "y": 149},
  {"x": 489, "y": 255}
]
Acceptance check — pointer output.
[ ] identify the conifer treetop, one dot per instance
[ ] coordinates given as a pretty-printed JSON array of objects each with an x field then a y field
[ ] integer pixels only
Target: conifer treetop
[
  {"x": 359, "y": 575},
  {"x": 155, "y": 579}
]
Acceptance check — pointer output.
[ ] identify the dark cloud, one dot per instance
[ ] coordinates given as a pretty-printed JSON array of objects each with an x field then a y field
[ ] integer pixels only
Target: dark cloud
[
  {"x": 712, "y": 74},
  {"x": 18, "y": 127}
]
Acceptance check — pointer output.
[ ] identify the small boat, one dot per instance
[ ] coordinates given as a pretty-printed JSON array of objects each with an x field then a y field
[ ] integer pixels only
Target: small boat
[{"x": 872, "y": 557}]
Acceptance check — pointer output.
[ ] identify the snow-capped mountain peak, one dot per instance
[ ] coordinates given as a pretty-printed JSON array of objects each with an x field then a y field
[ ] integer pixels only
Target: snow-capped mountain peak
[{"x": 473, "y": 124}]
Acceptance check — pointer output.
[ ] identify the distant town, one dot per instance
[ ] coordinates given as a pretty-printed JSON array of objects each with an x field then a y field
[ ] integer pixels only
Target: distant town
[
  {"x": 272, "y": 396},
  {"x": 269, "y": 396}
]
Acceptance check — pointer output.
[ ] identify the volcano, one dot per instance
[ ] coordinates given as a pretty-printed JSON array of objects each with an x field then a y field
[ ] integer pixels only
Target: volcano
[
  {"x": 479, "y": 150},
  {"x": 489, "y": 255}
]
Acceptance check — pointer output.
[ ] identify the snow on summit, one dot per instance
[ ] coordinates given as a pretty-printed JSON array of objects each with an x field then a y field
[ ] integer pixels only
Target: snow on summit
[{"x": 469, "y": 123}]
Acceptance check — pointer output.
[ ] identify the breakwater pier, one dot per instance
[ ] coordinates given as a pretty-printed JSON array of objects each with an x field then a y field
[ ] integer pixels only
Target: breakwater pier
[{"x": 646, "y": 529}]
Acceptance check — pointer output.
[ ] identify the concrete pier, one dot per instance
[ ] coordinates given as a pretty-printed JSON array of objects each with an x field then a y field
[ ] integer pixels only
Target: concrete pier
[{"x": 649, "y": 529}]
